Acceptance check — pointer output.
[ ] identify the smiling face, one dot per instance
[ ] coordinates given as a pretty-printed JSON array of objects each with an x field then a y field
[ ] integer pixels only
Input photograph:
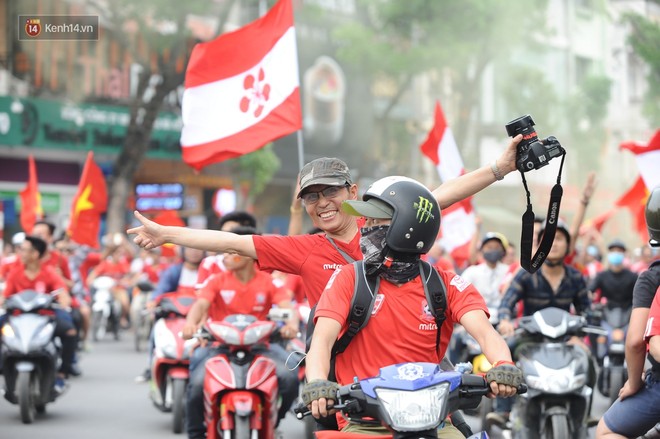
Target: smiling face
[{"x": 326, "y": 212}]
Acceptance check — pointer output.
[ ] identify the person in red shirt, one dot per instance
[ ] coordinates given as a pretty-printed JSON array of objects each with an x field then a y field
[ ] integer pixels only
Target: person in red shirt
[
  {"x": 242, "y": 289},
  {"x": 31, "y": 274},
  {"x": 324, "y": 184},
  {"x": 652, "y": 335},
  {"x": 401, "y": 225},
  {"x": 116, "y": 265}
]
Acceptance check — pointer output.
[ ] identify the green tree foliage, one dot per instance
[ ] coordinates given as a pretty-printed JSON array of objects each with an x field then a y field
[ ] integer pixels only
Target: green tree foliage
[
  {"x": 645, "y": 41},
  {"x": 253, "y": 171},
  {"x": 396, "y": 40}
]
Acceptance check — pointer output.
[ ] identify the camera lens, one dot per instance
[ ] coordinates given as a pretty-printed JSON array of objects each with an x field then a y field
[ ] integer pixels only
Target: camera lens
[{"x": 523, "y": 125}]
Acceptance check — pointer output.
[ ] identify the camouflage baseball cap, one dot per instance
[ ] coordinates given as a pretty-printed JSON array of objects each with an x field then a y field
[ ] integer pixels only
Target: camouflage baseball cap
[{"x": 326, "y": 171}]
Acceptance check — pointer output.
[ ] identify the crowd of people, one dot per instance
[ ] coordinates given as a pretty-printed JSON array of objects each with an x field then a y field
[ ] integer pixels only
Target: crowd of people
[{"x": 390, "y": 235}]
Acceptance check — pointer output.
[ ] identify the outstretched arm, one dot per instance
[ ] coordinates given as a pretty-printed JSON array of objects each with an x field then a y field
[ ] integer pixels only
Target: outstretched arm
[
  {"x": 469, "y": 184},
  {"x": 151, "y": 234}
]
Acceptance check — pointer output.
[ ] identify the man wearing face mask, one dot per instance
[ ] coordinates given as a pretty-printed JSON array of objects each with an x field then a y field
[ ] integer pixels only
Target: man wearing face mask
[
  {"x": 556, "y": 284},
  {"x": 616, "y": 284},
  {"x": 488, "y": 276}
]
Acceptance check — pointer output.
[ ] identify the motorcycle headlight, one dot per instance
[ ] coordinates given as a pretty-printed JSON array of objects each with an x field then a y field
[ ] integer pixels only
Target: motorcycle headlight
[
  {"x": 413, "y": 411},
  {"x": 555, "y": 381},
  {"x": 165, "y": 341},
  {"x": 8, "y": 332}
]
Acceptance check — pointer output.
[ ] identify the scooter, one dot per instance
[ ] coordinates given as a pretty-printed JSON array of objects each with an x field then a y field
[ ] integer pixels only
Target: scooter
[
  {"x": 140, "y": 317},
  {"x": 31, "y": 353},
  {"x": 171, "y": 359},
  {"x": 240, "y": 387},
  {"x": 105, "y": 309},
  {"x": 557, "y": 373},
  {"x": 611, "y": 351},
  {"x": 410, "y": 399}
]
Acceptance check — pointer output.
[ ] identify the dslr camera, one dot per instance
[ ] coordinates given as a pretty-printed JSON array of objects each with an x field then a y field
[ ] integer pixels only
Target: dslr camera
[{"x": 532, "y": 153}]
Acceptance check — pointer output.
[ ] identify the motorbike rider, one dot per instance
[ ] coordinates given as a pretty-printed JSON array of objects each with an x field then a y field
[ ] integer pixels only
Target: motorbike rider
[
  {"x": 242, "y": 289},
  {"x": 638, "y": 408},
  {"x": 32, "y": 274},
  {"x": 556, "y": 284},
  {"x": 80, "y": 311},
  {"x": 392, "y": 207},
  {"x": 615, "y": 284}
]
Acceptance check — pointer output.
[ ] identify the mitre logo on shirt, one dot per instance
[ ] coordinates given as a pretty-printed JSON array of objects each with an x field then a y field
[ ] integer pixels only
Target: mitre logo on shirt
[
  {"x": 378, "y": 303},
  {"x": 459, "y": 283},
  {"x": 426, "y": 312},
  {"x": 227, "y": 295}
]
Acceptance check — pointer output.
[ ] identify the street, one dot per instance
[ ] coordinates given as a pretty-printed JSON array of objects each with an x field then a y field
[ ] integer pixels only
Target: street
[{"x": 106, "y": 402}]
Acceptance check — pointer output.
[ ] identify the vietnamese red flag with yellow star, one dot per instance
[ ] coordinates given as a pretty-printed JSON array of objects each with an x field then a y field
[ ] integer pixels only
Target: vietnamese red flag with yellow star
[
  {"x": 31, "y": 209},
  {"x": 90, "y": 203},
  {"x": 241, "y": 90}
]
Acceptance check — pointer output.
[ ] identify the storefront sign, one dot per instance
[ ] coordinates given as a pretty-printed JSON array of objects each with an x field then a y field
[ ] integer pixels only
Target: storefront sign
[{"x": 41, "y": 123}]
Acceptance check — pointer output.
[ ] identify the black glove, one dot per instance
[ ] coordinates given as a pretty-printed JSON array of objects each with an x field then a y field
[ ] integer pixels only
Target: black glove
[
  {"x": 505, "y": 372},
  {"x": 318, "y": 389}
]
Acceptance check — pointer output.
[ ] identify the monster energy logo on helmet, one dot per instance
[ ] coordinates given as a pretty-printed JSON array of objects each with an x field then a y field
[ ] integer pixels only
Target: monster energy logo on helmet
[{"x": 424, "y": 210}]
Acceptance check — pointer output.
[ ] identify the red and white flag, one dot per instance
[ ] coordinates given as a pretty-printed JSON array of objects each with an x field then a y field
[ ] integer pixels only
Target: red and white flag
[
  {"x": 648, "y": 159},
  {"x": 242, "y": 90},
  {"x": 458, "y": 220}
]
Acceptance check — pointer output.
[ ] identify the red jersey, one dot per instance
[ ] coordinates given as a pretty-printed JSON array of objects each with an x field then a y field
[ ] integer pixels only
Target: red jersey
[
  {"x": 653, "y": 323},
  {"x": 311, "y": 256},
  {"x": 413, "y": 338},
  {"x": 8, "y": 265},
  {"x": 294, "y": 283},
  {"x": 58, "y": 261},
  {"x": 209, "y": 266},
  {"x": 230, "y": 296},
  {"x": 47, "y": 280},
  {"x": 115, "y": 270}
]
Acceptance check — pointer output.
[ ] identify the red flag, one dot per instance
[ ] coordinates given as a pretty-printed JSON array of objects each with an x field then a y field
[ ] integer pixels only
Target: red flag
[
  {"x": 31, "y": 210},
  {"x": 90, "y": 202},
  {"x": 242, "y": 90},
  {"x": 458, "y": 221},
  {"x": 597, "y": 222},
  {"x": 648, "y": 159},
  {"x": 635, "y": 201}
]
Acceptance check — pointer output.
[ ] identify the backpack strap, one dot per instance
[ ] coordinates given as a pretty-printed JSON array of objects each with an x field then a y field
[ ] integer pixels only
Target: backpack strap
[
  {"x": 346, "y": 256},
  {"x": 436, "y": 295},
  {"x": 364, "y": 296}
]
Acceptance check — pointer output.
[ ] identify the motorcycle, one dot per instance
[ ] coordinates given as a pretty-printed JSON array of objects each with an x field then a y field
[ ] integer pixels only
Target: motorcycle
[
  {"x": 557, "y": 373},
  {"x": 240, "y": 386},
  {"x": 169, "y": 366},
  {"x": 31, "y": 353},
  {"x": 410, "y": 399},
  {"x": 140, "y": 317},
  {"x": 611, "y": 351},
  {"x": 105, "y": 309}
]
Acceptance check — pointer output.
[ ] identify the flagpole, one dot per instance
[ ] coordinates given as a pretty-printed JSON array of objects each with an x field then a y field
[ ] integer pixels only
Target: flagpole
[{"x": 301, "y": 151}]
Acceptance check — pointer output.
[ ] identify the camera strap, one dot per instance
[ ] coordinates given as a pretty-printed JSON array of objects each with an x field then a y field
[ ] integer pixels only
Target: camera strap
[{"x": 532, "y": 263}]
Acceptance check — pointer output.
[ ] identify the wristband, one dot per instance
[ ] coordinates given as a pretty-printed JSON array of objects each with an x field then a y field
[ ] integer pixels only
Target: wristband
[
  {"x": 496, "y": 171},
  {"x": 504, "y": 362}
]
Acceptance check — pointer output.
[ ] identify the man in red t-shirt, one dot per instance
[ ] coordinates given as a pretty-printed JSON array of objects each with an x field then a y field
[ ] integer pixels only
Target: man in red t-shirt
[
  {"x": 242, "y": 289},
  {"x": 401, "y": 225},
  {"x": 116, "y": 265},
  {"x": 30, "y": 274}
]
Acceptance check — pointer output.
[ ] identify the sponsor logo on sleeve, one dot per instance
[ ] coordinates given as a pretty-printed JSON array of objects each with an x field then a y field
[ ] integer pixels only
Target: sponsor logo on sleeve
[{"x": 459, "y": 283}]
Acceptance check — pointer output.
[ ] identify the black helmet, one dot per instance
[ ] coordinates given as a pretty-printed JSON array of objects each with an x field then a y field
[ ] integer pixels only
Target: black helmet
[
  {"x": 495, "y": 236},
  {"x": 415, "y": 213},
  {"x": 652, "y": 214},
  {"x": 561, "y": 227}
]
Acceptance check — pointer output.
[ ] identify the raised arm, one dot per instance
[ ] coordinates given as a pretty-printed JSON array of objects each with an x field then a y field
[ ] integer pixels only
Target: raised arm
[
  {"x": 469, "y": 184},
  {"x": 151, "y": 234},
  {"x": 587, "y": 193}
]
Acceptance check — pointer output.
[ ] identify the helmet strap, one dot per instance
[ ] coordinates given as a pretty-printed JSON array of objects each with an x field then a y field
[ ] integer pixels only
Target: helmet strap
[{"x": 527, "y": 261}]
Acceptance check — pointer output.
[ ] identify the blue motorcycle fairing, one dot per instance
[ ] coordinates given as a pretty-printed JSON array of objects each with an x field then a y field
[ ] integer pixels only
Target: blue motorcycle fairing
[{"x": 410, "y": 377}]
